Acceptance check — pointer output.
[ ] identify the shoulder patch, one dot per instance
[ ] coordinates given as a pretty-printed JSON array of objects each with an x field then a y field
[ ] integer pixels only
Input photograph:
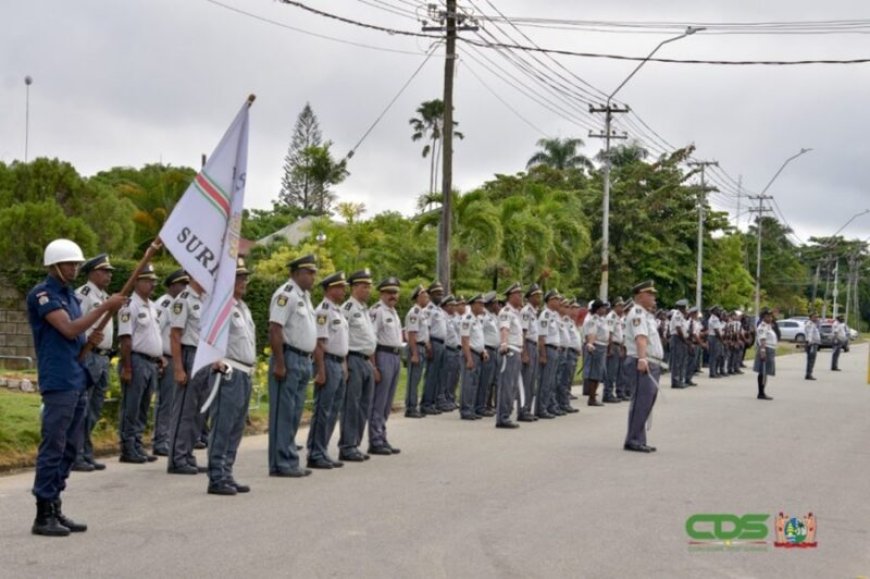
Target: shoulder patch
[
  {"x": 636, "y": 321},
  {"x": 142, "y": 315},
  {"x": 85, "y": 290},
  {"x": 125, "y": 317},
  {"x": 42, "y": 299},
  {"x": 288, "y": 288},
  {"x": 195, "y": 306},
  {"x": 412, "y": 319},
  {"x": 348, "y": 306},
  {"x": 165, "y": 302},
  {"x": 184, "y": 294},
  {"x": 177, "y": 307},
  {"x": 325, "y": 305},
  {"x": 336, "y": 322},
  {"x": 282, "y": 300},
  {"x": 321, "y": 320}
]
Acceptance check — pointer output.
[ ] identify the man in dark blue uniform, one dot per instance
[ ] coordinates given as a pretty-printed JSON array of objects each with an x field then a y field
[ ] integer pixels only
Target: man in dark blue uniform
[{"x": 58, "y": 336}]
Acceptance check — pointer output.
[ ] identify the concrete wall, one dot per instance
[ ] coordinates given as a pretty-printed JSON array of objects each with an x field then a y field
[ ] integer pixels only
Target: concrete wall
[{"x": 15, "y": 336}]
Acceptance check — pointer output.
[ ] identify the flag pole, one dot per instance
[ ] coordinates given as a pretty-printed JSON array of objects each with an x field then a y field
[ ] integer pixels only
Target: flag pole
[
  {"x": 127, "y": 289},
  {"x": 251, "y": 98}
]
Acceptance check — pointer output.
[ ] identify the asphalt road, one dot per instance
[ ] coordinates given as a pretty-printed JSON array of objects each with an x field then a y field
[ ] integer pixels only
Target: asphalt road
[{"x": 556, "y": 498}]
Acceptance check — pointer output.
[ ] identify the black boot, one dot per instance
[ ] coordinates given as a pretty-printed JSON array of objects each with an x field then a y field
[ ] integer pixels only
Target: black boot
[
  {"x": 46, "y": 522},
  {"x": 73, "y": 526}
]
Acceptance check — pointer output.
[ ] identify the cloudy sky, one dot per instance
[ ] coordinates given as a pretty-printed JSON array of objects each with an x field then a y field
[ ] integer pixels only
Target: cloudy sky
[{"x": 141, "y": 81}]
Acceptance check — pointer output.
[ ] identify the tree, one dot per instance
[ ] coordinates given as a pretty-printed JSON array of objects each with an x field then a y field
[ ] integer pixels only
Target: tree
[
  {"x": 428, "y": 126},
  {"x": 320, "y": 171},
  {"x": 28, "y": 227},
  {"x": 296, "y": 189},
  {"x": 560, "y": 154}
]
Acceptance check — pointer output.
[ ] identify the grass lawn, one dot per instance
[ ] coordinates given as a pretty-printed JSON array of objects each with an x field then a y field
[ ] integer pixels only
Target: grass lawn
[{"x": 19, "y": 428}]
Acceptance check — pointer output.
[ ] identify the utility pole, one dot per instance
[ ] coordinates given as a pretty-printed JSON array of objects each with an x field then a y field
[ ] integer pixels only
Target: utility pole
[
  {"x": 702, "y": 201},
  {"x": 28, "y": 80},
  {"x": 849, "y": 286},
  {"x": 450, "y": 22},
  {"x": 761, "y": 211},
  {"x": 739, "y": 197},
  {"x": 608, "y": 134},
  {"x": 836, "y": 286}
]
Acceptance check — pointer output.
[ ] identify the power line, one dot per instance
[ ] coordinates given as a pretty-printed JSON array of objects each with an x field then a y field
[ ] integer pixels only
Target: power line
[{"x": 505, "y": 103}]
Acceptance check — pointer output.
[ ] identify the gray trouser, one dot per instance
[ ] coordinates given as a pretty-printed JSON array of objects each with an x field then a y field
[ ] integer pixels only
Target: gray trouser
[
  {"x": 642, "y": 401},
  {"x": 835, "y": 355},
  {"x": 357, "y": 402},
  {"x": 186, "y": 424},
  {"x": 568, "y": 367},
  {"x": 327, "y": 404},
  {"x": 530, "y": 373},
  {"x": 97, "y": 370},
  {"x": 691, "y": 361},
  {"x": 812, "y": 351},
  {"x": 415, "y": 374},
  {"x": 487, "y": 379},
  {"x": 470, "y": 387},
  {"x": 508, "y": 381},
  {"x": 382, "y": 403},
  {"x": 163, "y": 407},
  {"x": 228, "y": 413},
  {"x": 547, "y": 381},
  {"x": 452, "y": 371},
  {"x": 433, "y": 387},
  {"x": 135, "y": 402},
  {"x": 286, "y": 402},
  {"x": 714, "y": 346},
  {"x": 678, "y": 360},
  {"x": 622, "y": 388},
  {"x": 613, "y": 376}
]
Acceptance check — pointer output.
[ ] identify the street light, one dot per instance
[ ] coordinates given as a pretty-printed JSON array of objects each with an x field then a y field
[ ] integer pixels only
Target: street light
[
  {"x": 761, "y": 198},
  {"x": 28, "y": 80},
  {"x": 827, "y": 260},
  {"x": 608, "y": 118}
]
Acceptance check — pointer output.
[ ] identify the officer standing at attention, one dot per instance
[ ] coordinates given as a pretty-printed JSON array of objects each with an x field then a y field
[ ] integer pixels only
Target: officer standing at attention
[
  {"x": 510, "y": 328},
  {"x": 615, "y": 354},
  {"x": 597, "y": 338},
  {"x": 572, "y": 348},
  {"x": 765, "y": 352},
  {"x": 679, "y": 340},
  {"x": 814, "y": 340},
  {"x": 839, "y": 336},
  {"x": 175, "y": 283},
  {"x": 714, "y": 341},
  {"x": 489, "y": 368},
  {"x": 292, "y": 336},
  {"x": 644, "y": 362},
  {"x": 330, "y": 362},
  {"x": 58, "y": 328},
  {"x": 388, "y": 330},
  {"x": 92, "y": 294},
  {"x": 474, "y": 354},
  {"x": 549, "y": 355},
  {"x": 360, "y": 367},
  {"x": 230, "y": 407},
  {"x": 186, "y": 423},
  {"x": 693, "y": 335},
  {"x": 419, "y": 348},
  {"x": 141, "y": 363},
  {"x": 433, "y": 386},
  {"x": 452, "y": 364},
  {"x": 530, "y": 351}
]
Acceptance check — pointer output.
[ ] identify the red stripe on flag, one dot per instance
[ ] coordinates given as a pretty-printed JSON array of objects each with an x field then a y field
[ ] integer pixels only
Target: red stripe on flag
[
  {"x": 213, "y": 193},
  {"x": 220, "y": 321}
]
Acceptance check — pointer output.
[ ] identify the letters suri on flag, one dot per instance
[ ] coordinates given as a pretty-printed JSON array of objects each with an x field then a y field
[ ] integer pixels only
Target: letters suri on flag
[{"x": 202, "y": 233}]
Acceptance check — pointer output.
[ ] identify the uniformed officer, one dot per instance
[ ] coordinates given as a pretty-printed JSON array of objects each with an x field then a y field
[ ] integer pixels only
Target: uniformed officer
[
  {"x": 678, "y": 340},
  {"x": 488, "y": 370},
  {"x": 230, "y": 407},
  {"x": 99, "y": 273},
  {"x": 813, "y": 341},
  {"x": 597, "y": 337},
  {"x": 474, "y": 354},
  {"x": 765, "y": 352},
  {"x": 292, "y": 336},
  {"x": 549, "y": 353},
  {"x": 419, "y": 348},
  {"x": 568, "y": 366},
  {"x": 643, "y": 360},
  {"x": 530, "y": 351},
  {"x": 433, "y": 386},
  {"x": 330, "y": 378},
  {"x": 613, "y": 388},
  {"x": 141, "y": 363},
  {"x": 388, "y": 330},
  {"x": 693, "y": 335},
  {"x": 175, "y": 284},
  {"x": 58, "y": 328},
  {"x": 838, "y": 329},
  {"x": 452, "y": 367},
  {"x": 192, "y": 389},
  {"x": 714, "y": 341},
  {"x": 510, "y": 327},
  {"x": 360, "y": 366}
]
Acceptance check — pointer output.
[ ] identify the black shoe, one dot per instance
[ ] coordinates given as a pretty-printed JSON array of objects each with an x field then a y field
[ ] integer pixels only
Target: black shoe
[
  {"x": 149, "y": 457},
  {"x": 594, "y": 402},
  {"x": 429, "y": 411},
  {"x": 392, "y": 449},
  {"x": 809, "y": 378},
  {"x": 526, "y": 418},
  {"x": 545, "y": 416},
  {"x": 560, "y": 412},
  {"x": 572, "y": 410},
  {"x": 73, "y": 526},
  {"x": 413, "y": 413},
  {"x": 335, "y": 463},
  {"x": 225, "y": 489},
  {"x": 46, "y": 522},
  {"x": 380, "y": 450},
  {"x": 835, "y": 369},
  {"x": 351, "y": 457},
  {"x": 637, "y": 448},
  {"x": 764, "y": 397},
  {"x": 293, "y": 473},
  {"x": 320, "y": 463},
  {"x": 133, "y": 458},
  {"x": 651, "y": 448},
  {"x": 507, "y": 425},
  {"x": 200, "y": 445},
  {"x": 183, "y": 469},
  {"x": 678, "y": 386},
  {"x": 83, "y": 466},
  {"x": 626, "y": 398},
  {"x": 200, "y": 468},
  {"x": 240, "y": 488},
  {"x": 489, "y": 412},
  {"x": 97, "y": 465},
  {"x": 611, "y": 400},
  {"x": 690, "y": 383},
  {"x": 160, "y": 452},
  {"x": 572, "y": 397}
]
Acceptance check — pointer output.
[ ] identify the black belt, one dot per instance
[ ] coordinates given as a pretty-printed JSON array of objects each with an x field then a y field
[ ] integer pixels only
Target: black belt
[
  {"x": 288, "y": 347},
  {"x": 388, "y": 349},
  {"x": 490, "y": 348},
  {"x": 434, "y": 339},
  {"x": 452, "y": 348},
  {"x": 532, "y": 342},
  {"x": 154, "y": 359},
  {"x": 479, "y": 354},
  {"x": 102, "y": 352},
  {"x": 334, "y": 358},
  {"x": 557, "y": 348},
  {"x": 358, "y": 355}
]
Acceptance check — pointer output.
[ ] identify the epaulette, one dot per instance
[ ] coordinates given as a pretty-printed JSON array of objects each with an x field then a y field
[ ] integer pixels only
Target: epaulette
[
  {"x": 348, "y": 305},
  {"x": 325, "y": 305},
  {"x": 183, "y": 295},
  {"x": 165, "y": 301},
  {"x": 85, "y": 290},
  {"x": 288, "y": 288}
]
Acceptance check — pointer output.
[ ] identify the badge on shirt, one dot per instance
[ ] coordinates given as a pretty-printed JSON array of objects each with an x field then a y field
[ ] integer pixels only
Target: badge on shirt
[
  {"x": 301, "y": 304},
  {"x": 86, "y": 290},
  {"x": 125, "y": 317},
  {"x": 412, "y": 320},
  {"x": 543, "y": 324},
  {"x": 357, "y": 315},
  {"x": 321, "y": 320},
  {"x": 237, "y": 315},
  {"x": 635, "y": 321},
  {"x": 142, "y": 315},
  {"x": 177, "y": 308},
  {"x": 465, "y": 325},
  {"x": 195, "y": 307},
  {"x": 336, "y": 322},
  {"x": 43, "y": 299},
  {"x": 389, "y": 320},
  {"x": 282, "y": 300}
]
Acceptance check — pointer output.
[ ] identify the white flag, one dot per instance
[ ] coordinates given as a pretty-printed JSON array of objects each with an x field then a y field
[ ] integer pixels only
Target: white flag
[{"x": 203, "y": 231}]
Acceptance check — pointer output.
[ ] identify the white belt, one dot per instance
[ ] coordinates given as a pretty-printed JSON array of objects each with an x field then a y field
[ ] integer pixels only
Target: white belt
[{"x": 247, "y": 369}]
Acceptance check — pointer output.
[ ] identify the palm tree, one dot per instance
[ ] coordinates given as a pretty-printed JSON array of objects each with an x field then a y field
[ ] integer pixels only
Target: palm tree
[
  {"x": 428, "y": 125},
  {"x": 622, "y": 155},
  {"x": 560, "y": 154}
]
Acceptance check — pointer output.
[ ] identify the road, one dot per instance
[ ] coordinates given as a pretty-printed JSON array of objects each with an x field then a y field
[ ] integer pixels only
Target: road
[{"x": 556, "y": 498}]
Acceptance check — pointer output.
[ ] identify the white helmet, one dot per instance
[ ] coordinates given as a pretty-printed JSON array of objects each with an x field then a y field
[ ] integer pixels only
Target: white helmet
[{"x": 62, "y": 251}]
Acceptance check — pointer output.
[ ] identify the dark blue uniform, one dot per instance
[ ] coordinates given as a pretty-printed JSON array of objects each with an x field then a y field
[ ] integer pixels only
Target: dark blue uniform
[{"x": 62, "y": 385}]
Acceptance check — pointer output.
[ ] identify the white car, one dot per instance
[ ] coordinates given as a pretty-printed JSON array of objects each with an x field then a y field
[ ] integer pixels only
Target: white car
[{"x": 792, "y": 330}]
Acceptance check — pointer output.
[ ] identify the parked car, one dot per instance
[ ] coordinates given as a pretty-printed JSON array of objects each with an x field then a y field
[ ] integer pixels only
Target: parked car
[
  {"x": 826, "y": 331},
  {"x": 792, "y": 330}
]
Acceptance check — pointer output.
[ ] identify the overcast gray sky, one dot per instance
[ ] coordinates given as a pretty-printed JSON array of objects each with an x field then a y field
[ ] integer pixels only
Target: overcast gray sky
[{"x": 140, "y": 81}]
